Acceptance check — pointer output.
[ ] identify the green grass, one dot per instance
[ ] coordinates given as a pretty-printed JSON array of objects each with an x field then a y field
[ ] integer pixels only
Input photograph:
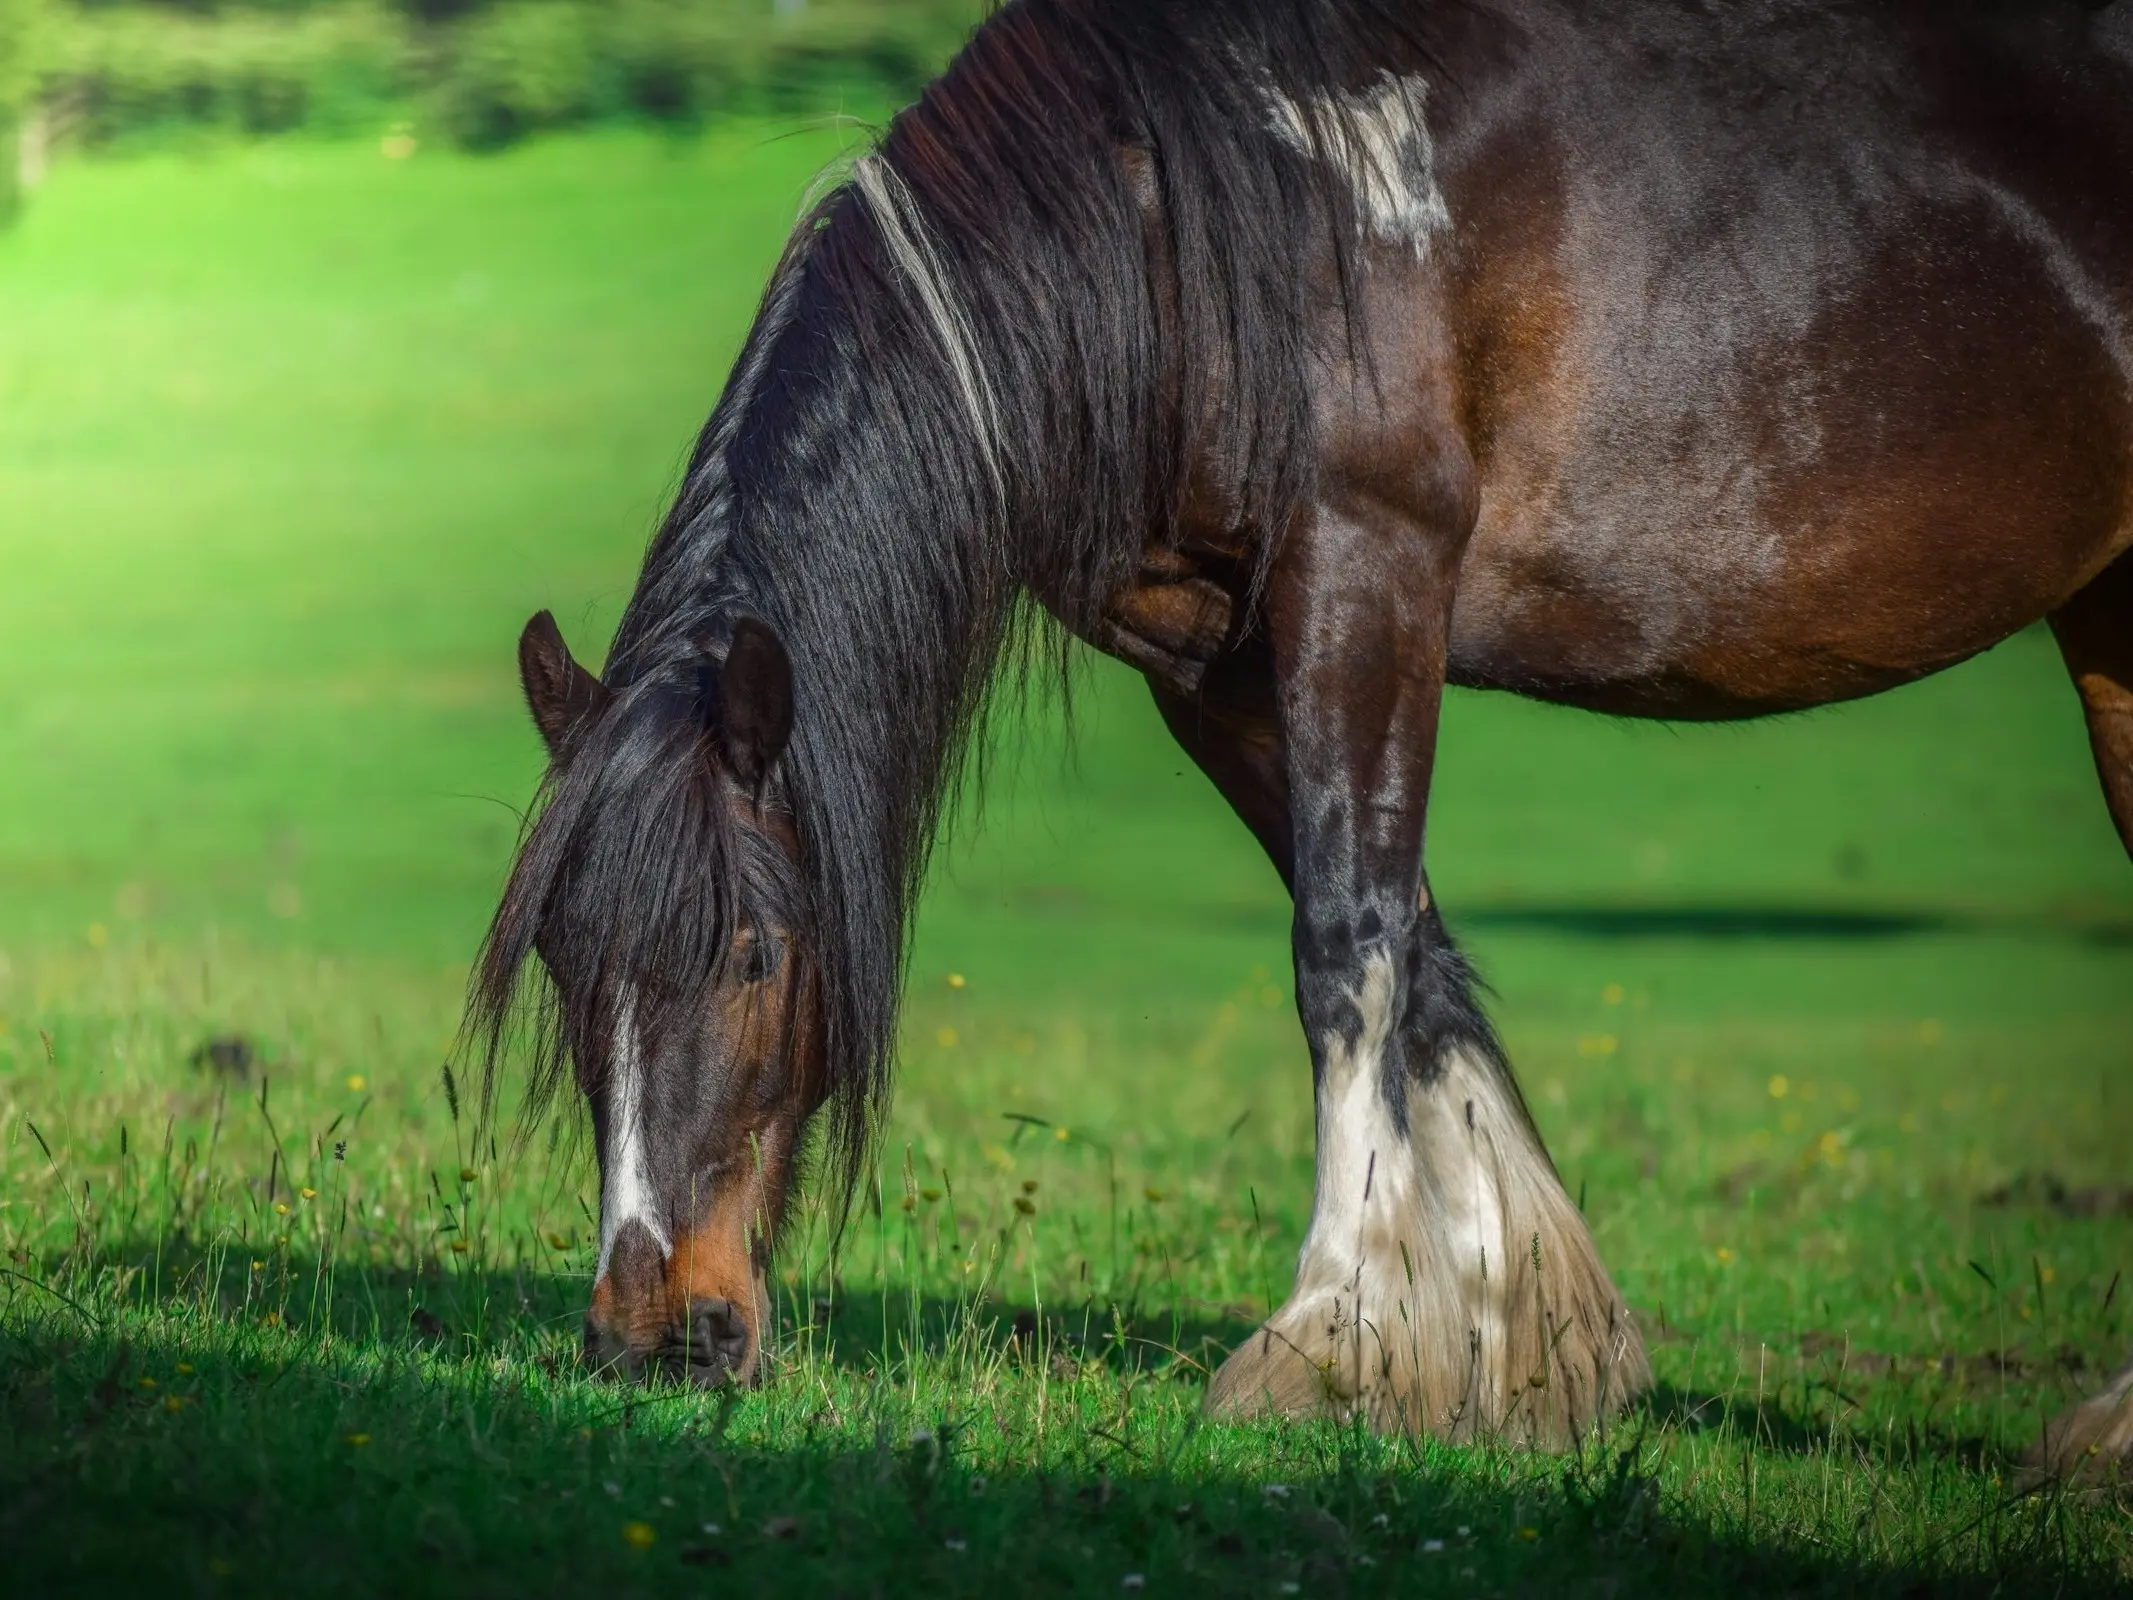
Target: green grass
[{"x": 291, "y": 441}]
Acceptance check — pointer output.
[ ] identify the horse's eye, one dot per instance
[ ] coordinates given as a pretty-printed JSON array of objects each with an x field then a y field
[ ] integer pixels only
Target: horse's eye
[{"x": 760, "y": 956}]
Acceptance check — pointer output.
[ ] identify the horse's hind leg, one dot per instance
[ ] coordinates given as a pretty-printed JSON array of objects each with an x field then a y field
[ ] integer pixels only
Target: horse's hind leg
[
  {"x": 1447, "y": 1283},
  {"x": 2095, "y": 632}
]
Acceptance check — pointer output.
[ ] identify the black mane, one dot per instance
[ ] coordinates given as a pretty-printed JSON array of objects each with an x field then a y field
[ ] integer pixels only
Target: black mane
[{"x": 1124, "y": 320}]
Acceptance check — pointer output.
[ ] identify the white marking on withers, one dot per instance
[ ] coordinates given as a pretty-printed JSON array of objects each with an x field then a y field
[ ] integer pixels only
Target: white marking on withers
[
  {"x": 1380, "y": 139},
  {"x": 626, "y": 1173},
  {"x": 910, "y": 246}
]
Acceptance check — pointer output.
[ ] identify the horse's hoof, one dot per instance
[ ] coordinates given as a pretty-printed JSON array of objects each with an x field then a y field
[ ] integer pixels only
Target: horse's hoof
[
  {"x": 1270, "y": 1375},
  {"x": 2090, "y": 1442}
]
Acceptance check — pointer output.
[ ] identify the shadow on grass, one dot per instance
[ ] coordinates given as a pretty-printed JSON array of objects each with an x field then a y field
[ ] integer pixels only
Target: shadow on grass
[
  {"x": 535, "y": 1316},
  {"x": 241, "y": 1459},
  {"x": 1785, "y": 924},
  {"x": 206, "y": 1437}
]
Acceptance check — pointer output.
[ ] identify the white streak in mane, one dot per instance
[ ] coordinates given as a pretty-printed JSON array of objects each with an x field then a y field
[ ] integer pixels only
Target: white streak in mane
[
  {"x": 910, "y": 246},
  {"x": 1380, "y": 140},
  {"x": 626, "y": 1174}
]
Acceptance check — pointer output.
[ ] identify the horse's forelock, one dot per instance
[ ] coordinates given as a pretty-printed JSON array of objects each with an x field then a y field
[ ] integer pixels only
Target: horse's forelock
[{"x": 631, "y": 876}]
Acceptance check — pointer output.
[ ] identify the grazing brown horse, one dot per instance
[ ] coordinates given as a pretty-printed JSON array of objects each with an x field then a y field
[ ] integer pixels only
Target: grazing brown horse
[{"x": 1672, "y": 359}]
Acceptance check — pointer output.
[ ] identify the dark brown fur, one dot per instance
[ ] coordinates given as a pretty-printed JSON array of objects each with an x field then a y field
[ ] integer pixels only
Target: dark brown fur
[{"x": 1759, "y": 356}]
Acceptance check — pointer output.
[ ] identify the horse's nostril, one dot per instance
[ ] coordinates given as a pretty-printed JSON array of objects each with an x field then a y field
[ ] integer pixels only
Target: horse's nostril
[{"x": 717, "y": 1339}]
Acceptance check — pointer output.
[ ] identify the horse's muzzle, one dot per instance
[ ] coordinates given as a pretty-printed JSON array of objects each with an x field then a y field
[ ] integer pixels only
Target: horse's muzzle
[{"x": 645, "y": 1324}]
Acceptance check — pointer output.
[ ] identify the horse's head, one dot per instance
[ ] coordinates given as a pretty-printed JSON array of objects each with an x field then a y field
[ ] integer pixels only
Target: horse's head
[{"x": 658, "y": 891}]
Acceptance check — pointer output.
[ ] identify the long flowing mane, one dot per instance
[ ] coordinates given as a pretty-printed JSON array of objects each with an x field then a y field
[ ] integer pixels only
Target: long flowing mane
[{"x": 1080, "y": 267}]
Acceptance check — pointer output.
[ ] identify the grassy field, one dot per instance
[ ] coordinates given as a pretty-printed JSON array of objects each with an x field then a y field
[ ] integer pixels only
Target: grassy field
[{"x": 1827, "y": 1020}]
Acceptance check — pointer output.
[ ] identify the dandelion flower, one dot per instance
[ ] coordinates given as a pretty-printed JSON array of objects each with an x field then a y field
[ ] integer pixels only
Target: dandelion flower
[
  {"x": 1725, "y": 1256},
  {"x": 1060, "y": 1134},
  {"x": 176, "y": 1402},
  {"x": 639, "y": 1535},
  {"x": 358, "y": 1440},
  {"x": 308, "y": 1193},
  {"x": 956, "y": 980},
  {"x": 281, "y": 1208},
  {"x": 357, "y": 1082},
  {"x": 948, "y": 1038},
  {"x": 1780, "y": 1086},
  {"x": 148, "y": 1383}
]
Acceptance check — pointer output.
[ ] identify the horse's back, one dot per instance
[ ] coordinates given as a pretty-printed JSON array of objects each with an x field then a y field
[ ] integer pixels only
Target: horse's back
[{"x": 1795, "y": 340}]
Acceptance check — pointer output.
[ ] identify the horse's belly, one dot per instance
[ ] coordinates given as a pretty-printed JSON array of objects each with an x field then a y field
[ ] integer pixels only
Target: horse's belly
[
  {"x": 1925, "y": 465},
  {"x": 1772, "y": 407},
  {"x": 1671, "y": 617}
]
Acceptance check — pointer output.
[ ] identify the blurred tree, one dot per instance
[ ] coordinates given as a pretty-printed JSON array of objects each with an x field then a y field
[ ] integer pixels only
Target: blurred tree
[{"x": 22, "y": 35}]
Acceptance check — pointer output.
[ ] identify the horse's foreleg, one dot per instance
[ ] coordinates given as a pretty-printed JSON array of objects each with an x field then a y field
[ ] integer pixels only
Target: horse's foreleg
[
  {"x": 1447, "y": 1283},
  {"x": 2095, "y": 632}
]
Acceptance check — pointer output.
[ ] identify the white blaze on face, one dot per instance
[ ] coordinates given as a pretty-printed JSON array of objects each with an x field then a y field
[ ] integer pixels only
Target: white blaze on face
[
  {"x": 1380, "y": 140},
  {"x": 625, "y": 1169}
]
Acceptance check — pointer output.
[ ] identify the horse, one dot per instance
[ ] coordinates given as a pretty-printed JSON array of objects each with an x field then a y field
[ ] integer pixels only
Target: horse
[{"x": 1664, "y": 359}]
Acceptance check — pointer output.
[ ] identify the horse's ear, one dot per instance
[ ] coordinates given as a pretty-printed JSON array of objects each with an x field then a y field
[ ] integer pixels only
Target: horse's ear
[
  {"x": 558, "y": 690},
  {"x": 754, "y": 702}
]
